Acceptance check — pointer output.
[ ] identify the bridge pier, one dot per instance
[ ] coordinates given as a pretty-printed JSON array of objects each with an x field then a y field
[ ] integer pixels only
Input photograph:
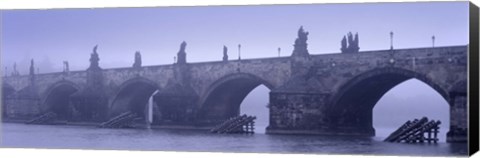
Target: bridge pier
[
  {"x": 458, "y": 118},
  {"x": 23, "y": 105},
  {"x": 306, "y": 113},
  {"x": 175, "y": 105}
]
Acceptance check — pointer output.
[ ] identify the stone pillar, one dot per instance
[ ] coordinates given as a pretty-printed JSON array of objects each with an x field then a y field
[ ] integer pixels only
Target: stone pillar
[
  {"x": 175, "y": 104},
  {"x": 306, "y": 112},
  {"x": 298, "y": 106},
  {"x": 91, "y": 103},
  {"x": 458, "y": 118},
  {"x": 296, "y": 113}
]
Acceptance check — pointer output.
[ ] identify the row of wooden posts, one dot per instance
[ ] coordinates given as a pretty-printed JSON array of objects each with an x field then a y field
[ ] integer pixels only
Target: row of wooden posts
[
  {"x": 416, "y": 131},
  {"x": 239, "y": 124}
]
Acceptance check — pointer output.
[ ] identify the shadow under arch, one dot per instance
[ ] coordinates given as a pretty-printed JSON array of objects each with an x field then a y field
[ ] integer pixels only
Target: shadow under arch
[
  {"x": 223, "y": 97},
  {"x": 57, "y": 99},
  {"x": 132, "y": 96},
  {"x": 352, "y": 106}
]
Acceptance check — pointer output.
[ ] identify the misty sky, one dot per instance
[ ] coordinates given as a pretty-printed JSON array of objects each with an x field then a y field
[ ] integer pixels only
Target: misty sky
[{"x": 53, "y": 36}]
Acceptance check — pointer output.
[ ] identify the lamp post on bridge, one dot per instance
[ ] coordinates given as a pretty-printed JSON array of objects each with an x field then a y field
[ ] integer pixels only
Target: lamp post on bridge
[
  {"x": 433, "y": 41},
  {"x": 279, "y": 49},
  {"x": 238, "y": 63},
  {"x": 239, "y": 47},
  {"x": 391, "y": 40}
]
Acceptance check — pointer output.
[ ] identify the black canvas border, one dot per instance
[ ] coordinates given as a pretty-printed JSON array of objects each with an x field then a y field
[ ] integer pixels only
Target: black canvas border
[{"x": 473, "y": 79}]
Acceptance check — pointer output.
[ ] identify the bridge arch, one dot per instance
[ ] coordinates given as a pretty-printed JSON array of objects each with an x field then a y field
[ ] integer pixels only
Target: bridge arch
[
  {"x": 223, "y": 97},
  {"x": 57, "y": 99},
  {"x": 132, "y": 96},
  {"x": 353, "y": 104}
]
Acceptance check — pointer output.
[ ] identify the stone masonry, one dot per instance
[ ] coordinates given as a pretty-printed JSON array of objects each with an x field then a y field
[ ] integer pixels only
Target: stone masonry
[{"x": 310, "y": 94}]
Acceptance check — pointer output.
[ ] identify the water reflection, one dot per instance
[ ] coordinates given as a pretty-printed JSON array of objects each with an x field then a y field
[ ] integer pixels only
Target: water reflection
[{"x": 41, "y": 136}]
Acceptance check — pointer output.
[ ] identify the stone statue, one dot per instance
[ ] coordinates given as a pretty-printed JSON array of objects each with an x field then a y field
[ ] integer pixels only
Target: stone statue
[
  {"x": 15, "y": 72},
  {"x": 138, "y": 60},
  {"x": 94, "y": 58},
  {"x": 352, "y": 45},
  {"x": 182, "y": 46},
  {"x": 225, "y": 55},
  {"x": 95, "y": 48},
  {"x": 302, "y": 37},
  {"x": 32, "y": 68},
  {"x": 32, "y": 73},
  {"x": 350, "y": 39},
  {"x": 66, "y": 67},
  {"x": 356, "y": 48},
  {"x": 300, "y": 46},
  {"x": 344, "y": 44},
  {"x": 182, "y": 55}
]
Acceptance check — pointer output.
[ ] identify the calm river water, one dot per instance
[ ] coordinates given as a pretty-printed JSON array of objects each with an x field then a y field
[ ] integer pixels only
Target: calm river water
[{"x": 83, "y": 137}]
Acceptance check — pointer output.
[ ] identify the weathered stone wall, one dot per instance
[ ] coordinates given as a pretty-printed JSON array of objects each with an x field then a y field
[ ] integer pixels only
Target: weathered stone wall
[
  {"x": 22, "y": 108},
  {"x": 351, "y": 84},
  {"x": 28, "y": 100},
  {"x": 298, "y": 111},
  {"x": 273, "y": 72},
  {"x": 116, "y": 79},
  {"x": 445, "y": 66}
]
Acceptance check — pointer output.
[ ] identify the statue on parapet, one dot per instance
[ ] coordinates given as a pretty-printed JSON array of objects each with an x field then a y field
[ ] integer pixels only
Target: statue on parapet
[
  {"x": 352, "y": 45},
  {"x": 182, "y": 46},
  {"x": 32, "y": 68},
  {"x": 344, "y": 44},
  {"x": 182, "y": 55},
  {"x": 225, "y": 55},
  {"x": 302, "y": 37},
  {"x": 300, "y": 46},
  {"x": 65, "y": 66},
  {"x": 94, "y": 58},
  {"x": 138, "y": 60},
  {"x": 15, "y": 71}
]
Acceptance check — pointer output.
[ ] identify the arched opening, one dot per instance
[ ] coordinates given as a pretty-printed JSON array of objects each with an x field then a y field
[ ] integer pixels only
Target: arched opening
[
  {"x": 352, "y": 108},
  {"x": 225, "y": 97},
  {"x": 256, "y": 104},
  {"x": 7, "y": 91},
  {"x": 135, "y": 96},
  {"x": 58, "y": 101},
  {"x": 406, "y": 101}
]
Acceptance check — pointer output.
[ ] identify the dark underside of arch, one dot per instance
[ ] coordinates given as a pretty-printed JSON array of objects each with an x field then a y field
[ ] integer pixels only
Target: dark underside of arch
[
  {"x": 352, "y": 109},
  {"x": 224, "y": 100},
  {"x": 132, "y": 98},
  {"x": 58, "y": 101}
]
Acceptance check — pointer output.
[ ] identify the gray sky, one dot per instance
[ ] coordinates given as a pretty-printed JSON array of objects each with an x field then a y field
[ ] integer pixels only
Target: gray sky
[{"x": 52, "y": 36}]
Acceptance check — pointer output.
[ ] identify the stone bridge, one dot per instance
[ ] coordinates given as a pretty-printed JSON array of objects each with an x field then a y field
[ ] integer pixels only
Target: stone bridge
[{"x": 310, "y": 94}]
